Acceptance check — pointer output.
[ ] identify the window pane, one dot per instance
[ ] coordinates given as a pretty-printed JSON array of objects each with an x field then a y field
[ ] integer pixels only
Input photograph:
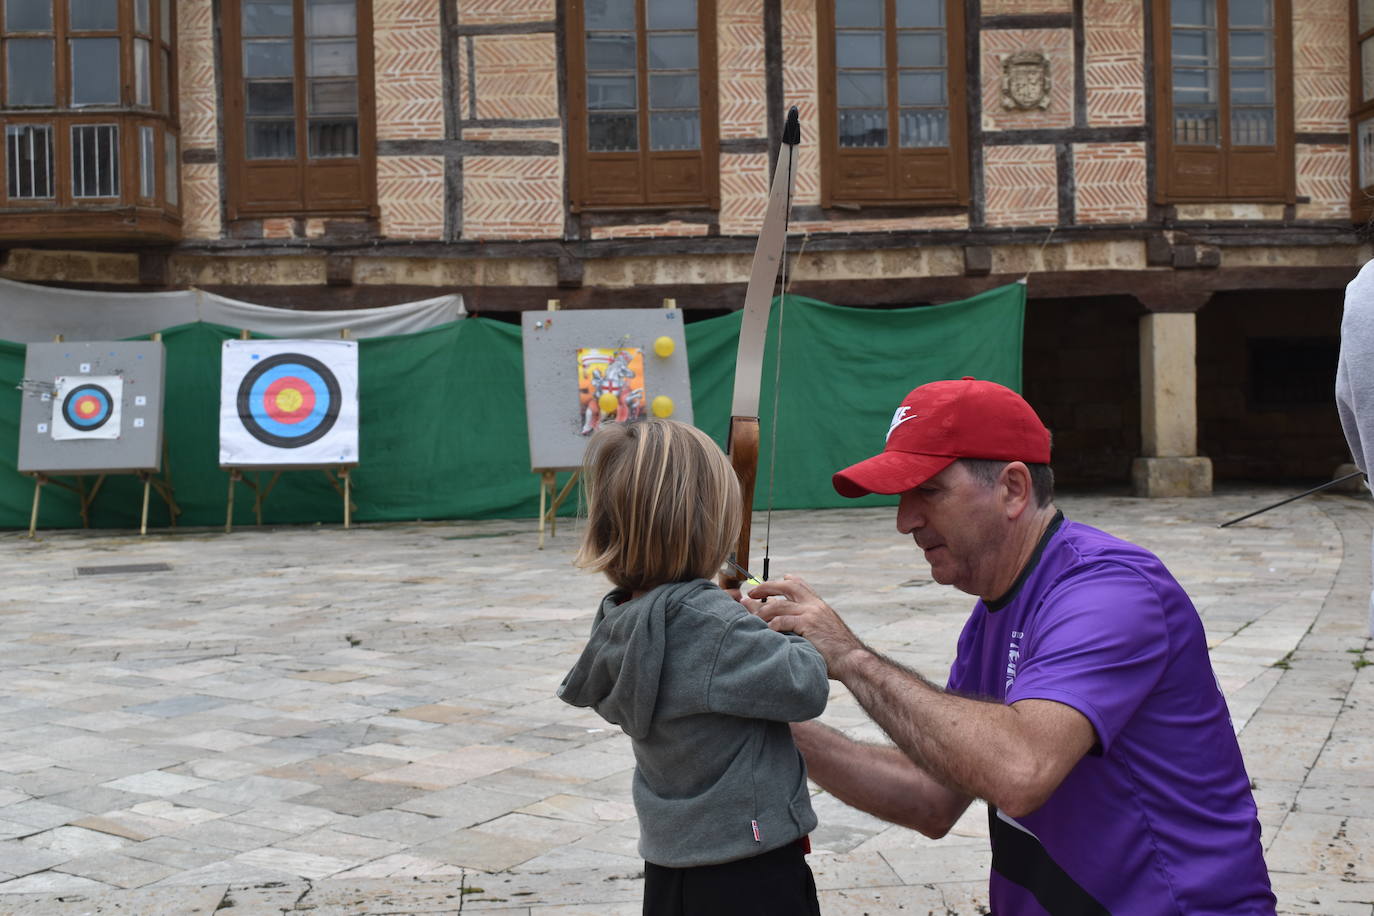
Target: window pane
[
  {"x": 271, "y": 139},
  {"x": 672, "y": 14},
  {"x": 863, "y": 128},
  {"x": 1251, "y": 12},
  {"x": 28, "y": 15},
  {"x": 865, "y": 13},
  {"x": 859, "y": 49},
  {"x": 923, "y": 128},
  {"x": 1196, "y": 127},
  {"x": 332, "y": 97},
  {"x": 920, "y": 49},
  {"x": 95, "y": 160},
  {"x": 1251, "y": 49},
  {"x": 165, "y": 20},
  {"x": 928, "y": 14},
  {"x": 142, "y": 19},
  {"x": 268, "y": 58},
  {"x": 331, "y": 58},
  {"x": 95, "y": 71},
  {"x": 1367, "y": 69},
  {"x": 333, "y": 138},
  {"x": 1251, "y": 87},
  {"x": 610, "y": 14},
  {"x": 1193, "y": 46},
  {"x": 331, "y": 17},
  {"x": 674, "y": 130},
  {"x": 1194, "y": 12},
  {"x": 266, "y": 17},
  {"x": 169, "y": 168},
  {"x": 1252, "y": 127},
  {"x": 920, "y": 88},
  {"x": 610, "y": 52},
  {"x": 672, "y": 90},
  {"x": 28, "y": 161},
  {"x": 1194, "y": 86},
  {"x": 165, "y": 93},
  {"x": 143, "y": 77},
  {"x": 29, "y": 71},
  {"x": 1366, "y": 141},
  {"x": 1366, "y": 14},
  {"x": 147, "y": 162},
  {"x": 610, "y": 92},
  {"x": 612, "y": 132},
  {"x": 270, "y": 97},
  {"x": 94, "y": 14},
  {"x": 672, "y": 52},
  {"x": 861, "y": 89}
]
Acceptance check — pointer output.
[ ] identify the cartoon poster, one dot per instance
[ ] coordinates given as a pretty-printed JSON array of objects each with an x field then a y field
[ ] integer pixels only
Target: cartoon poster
[
  {"x": 610, "y": 386},
  {"x": 288, "y": 402},
  {"x": 87, "y": 407}
]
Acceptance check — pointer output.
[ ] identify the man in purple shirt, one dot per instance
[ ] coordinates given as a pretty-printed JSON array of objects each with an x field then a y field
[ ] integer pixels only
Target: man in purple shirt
[{"x": 1081, "y": 704}]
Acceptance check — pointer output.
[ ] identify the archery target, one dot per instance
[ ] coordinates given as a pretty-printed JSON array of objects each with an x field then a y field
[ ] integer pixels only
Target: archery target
[
  {"x": 87, "y": 407},
  {"x": 286, "y": 402}
]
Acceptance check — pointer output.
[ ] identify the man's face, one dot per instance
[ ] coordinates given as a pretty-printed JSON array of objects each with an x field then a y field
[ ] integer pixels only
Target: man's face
[{"x": 959, "y": 524}]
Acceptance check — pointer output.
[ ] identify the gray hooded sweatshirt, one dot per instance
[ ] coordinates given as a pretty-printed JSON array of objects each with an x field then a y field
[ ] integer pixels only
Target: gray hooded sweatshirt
[
  {"x": 1355, "y": 376},
  {"x": 705, "y": 690}
]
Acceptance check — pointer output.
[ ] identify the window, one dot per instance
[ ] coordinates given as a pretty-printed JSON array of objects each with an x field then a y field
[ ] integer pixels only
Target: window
[
  {"x": 298, "y": 91},
  {"x": 642, "y": 91},
  {"x": 891, "y": 102},
  {"x": 86, "y": 90},
  {"x": 1362, "y": 117},
  {"x": 1223, "y": 84}
]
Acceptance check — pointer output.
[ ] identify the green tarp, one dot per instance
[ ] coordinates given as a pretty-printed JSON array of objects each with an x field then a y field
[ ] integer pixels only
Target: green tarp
[{"x": 442, "y": 415}]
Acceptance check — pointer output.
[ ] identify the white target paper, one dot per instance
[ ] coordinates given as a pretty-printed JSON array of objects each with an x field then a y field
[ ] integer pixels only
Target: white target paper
[
  {"x": 87, "y": 407},
  {"x": 288, "y": 402}
]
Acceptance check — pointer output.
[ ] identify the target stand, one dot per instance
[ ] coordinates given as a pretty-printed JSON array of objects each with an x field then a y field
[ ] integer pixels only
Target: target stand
[
  {"x": 94, "y": 409},
  {"x": 339, "y": 477},
  {"x": 550, "y": 498},
  {"x": 288, "y": 405}
]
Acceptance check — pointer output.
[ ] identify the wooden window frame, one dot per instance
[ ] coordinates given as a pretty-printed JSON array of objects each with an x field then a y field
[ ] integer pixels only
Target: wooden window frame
[
  {"x": 310, "y": 179},
  {"x": 1252, "y": 174},
  {"x": 894, "y": 175},
  {"x": 696, "y": 172},
  {"x": 127, "y": 214},
  {"x": 1361, "y": 196}
]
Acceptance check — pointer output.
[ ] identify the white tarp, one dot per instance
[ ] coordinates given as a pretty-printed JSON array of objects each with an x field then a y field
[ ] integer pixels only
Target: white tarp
[
  {"x": 288, "y": 402},
  {"x": 32, "y": 314}
]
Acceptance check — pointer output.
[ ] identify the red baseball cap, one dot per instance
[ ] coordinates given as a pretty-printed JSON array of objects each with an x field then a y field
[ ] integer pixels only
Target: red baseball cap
[{"x": 943, "y": 421}]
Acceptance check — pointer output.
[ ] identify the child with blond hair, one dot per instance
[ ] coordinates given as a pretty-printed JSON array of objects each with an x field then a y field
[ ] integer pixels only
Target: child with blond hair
[{"x": 704, "y": 689}]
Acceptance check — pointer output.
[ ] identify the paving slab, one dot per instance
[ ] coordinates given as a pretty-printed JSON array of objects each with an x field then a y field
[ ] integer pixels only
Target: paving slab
[{"x": 308, "y": 719}]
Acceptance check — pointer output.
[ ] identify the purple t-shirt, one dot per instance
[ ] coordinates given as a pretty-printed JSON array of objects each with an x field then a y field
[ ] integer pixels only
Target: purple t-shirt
[{"x": 1158, "y": 818}]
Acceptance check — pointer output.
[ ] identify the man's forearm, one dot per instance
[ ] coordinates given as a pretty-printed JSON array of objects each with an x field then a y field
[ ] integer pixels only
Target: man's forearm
[{"x": 877, "y": 779}]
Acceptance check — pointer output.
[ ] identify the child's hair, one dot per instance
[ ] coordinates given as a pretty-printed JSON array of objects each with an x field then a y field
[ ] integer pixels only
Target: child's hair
[{"x": 663, "y": 504}]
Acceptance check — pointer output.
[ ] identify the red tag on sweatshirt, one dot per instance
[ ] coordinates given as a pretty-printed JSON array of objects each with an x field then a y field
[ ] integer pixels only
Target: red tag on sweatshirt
[{"x": 758, "y": 838}]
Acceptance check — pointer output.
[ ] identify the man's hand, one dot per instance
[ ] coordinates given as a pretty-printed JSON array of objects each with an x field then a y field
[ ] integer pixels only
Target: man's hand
[{"x": 789, "y": 605}]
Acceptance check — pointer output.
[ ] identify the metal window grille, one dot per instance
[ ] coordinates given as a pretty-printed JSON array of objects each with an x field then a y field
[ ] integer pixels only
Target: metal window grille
[
  {"x": 28, "y": 161},
  {"x": 95, "y": 160}
]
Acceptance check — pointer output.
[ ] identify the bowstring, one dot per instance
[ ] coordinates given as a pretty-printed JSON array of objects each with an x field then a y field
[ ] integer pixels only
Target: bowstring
[{"x": 777, "y": 368}]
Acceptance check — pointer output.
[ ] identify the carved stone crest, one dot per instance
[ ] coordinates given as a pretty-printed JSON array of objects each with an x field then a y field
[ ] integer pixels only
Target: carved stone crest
[{"x": 1026, "y": 81}]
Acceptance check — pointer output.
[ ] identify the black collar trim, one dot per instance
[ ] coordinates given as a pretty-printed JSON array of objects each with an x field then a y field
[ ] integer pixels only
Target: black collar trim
[{"x": 999, "y": 603}]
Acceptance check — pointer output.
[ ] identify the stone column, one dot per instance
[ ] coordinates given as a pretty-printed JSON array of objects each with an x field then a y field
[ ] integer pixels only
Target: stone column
[{"x": 1170, "y": 465}]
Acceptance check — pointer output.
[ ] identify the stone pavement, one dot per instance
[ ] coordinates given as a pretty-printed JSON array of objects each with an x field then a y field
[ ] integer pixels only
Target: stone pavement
[{"x": 364, "y": 722}]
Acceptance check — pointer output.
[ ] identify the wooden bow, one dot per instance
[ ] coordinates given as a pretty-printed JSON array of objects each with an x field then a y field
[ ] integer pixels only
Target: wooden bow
[{"x": 743, "y": 444}]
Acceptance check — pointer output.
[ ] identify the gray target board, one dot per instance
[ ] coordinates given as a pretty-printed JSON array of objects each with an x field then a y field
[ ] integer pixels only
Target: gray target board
[
  {"x": 572, "y": 358},
  {"x": 91, "y": 407}
]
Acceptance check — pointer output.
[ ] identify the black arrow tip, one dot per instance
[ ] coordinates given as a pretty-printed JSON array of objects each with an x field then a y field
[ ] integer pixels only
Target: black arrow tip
[{"x": 791, "y": 131}]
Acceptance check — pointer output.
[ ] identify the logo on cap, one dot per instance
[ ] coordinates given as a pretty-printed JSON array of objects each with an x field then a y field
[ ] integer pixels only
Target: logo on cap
[{"x": 898, "y": 418}]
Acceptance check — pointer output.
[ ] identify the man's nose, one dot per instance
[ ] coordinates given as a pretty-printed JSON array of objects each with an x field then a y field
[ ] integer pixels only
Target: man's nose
[{"x": 908, "y": 514}]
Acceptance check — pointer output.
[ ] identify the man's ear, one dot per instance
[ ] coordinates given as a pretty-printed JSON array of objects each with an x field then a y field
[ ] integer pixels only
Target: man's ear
[{"x": 1016, "y": 485}]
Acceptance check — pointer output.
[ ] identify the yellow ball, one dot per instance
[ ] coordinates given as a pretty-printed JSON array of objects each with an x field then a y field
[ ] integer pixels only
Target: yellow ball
[
  {"x": 608, "y": 402},
  {"x": 664, "y": 346},
  {"x": 662, "y": 406}
]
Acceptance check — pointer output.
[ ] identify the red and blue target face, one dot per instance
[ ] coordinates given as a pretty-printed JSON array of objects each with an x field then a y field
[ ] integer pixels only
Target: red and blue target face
[
  {"x": 87, "y": 407},
  {"x": 289, "y": 400}
]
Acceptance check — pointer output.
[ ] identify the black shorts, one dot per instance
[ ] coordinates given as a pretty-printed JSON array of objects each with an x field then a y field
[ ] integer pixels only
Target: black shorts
[{"x": 776, "y": 883}]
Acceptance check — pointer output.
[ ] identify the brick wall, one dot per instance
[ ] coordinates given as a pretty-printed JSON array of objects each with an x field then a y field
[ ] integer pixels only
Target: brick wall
[
  {"x": 199, "y": 105},
  {"x": 1024, "y": 7},
  {"x": 410, "y": 196},
  {"x": 1109, "y": 182},
  {"x": 1022, "y": 186},
  {"x": 1055, "y": 44},
  {"x": 408, "y": 62},
  {"x": 1113, "y": 62},
  {"x": 512, "y": 197}
]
